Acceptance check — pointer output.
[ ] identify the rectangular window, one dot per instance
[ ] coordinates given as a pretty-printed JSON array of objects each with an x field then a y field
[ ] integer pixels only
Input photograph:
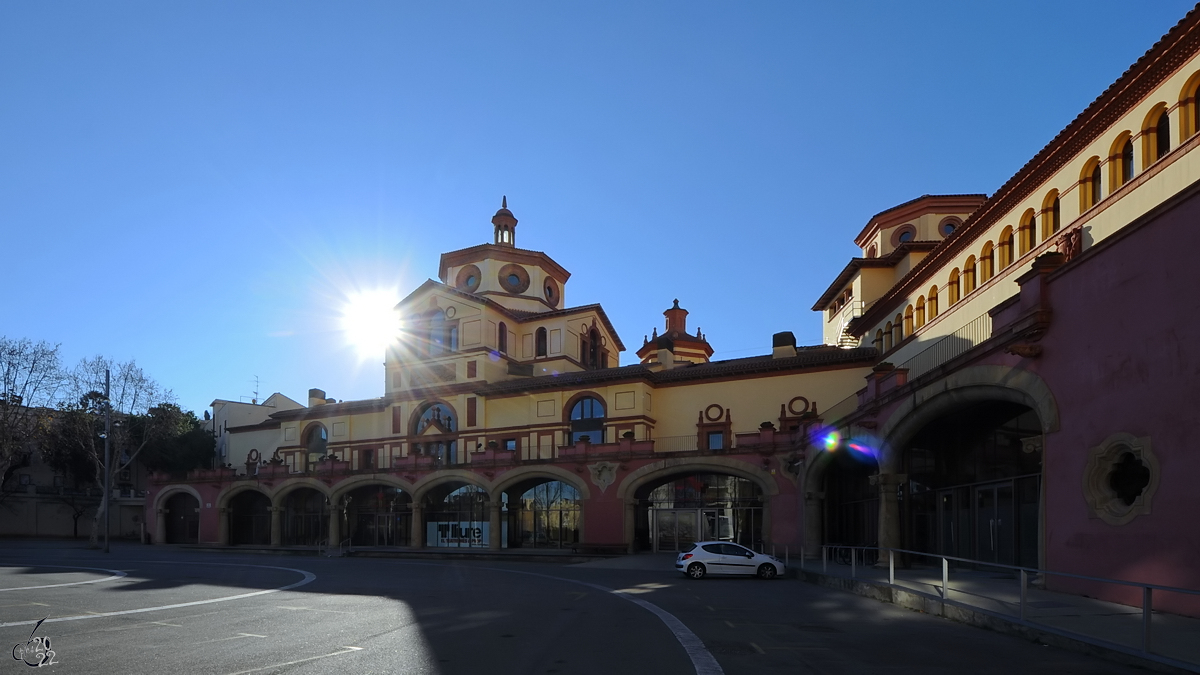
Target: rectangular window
[
  {"x": 366, "y": 460},
  {"x": 397, "y": 421},
  {"x": 510, "y": 444},
  {"x": 471, "y": 414},
  {"x": 472, "y": 369},
  {"x": 716, "y": 440}
]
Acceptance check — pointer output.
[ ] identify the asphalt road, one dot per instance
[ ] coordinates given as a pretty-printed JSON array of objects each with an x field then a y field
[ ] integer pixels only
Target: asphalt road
[{"x": 161, "y": 610}]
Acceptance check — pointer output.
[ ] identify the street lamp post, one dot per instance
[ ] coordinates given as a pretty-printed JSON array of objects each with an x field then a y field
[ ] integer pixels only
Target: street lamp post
[{"x": 107, "y": 459}]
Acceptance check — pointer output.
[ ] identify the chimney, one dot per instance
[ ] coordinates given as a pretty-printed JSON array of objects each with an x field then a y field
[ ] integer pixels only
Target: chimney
[
  {"x": 783, "y": 345},
  {"x": 316, "y": 397},
  {"x": 666, "y": 352}
]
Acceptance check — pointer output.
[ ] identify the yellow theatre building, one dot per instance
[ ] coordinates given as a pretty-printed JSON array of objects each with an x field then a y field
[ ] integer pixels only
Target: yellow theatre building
[{"x": 506, "y": 422}]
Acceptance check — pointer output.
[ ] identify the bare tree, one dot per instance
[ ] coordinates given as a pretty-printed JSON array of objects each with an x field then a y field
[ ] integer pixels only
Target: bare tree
[
  {"x": 142, "y": 413},
  {"x": 31, "y": 379}
]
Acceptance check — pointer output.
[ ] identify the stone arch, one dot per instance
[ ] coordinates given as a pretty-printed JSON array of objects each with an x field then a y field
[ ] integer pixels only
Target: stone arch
[
  {"x": 338, "y": 491},
  {"x": 291, "y": 485},
  {"x": 511, "y": 478},
  {"x": 969, "y": 385},
  {"x": 423, "y": 486},
  {"x": 667, "y": 467},
  {"x": 238, "y": 488},
  {"x": 160, "y": 499}
]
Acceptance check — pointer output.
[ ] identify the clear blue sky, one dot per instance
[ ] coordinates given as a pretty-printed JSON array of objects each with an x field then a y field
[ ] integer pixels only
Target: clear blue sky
[{"x": 200, "y": 185}]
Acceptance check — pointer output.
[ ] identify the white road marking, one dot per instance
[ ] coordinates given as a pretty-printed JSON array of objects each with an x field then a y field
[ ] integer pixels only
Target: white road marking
[
  {"x": 310, "y": 609},
  {"x": 757, "y": 648},
  {"x": 345, "y": 650},
  {"x": 239, "y": 636},
  {"x": 116, "y": 574},
  {"x": 309, "y": 577},
  {"x": 702, "y": 659}
]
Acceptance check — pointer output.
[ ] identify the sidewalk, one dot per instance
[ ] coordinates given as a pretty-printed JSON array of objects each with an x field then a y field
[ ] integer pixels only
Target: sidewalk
[{"x": 992, "y": 599}]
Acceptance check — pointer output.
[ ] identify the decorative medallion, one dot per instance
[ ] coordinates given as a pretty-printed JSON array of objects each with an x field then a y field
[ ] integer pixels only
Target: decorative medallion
[{"x": 603, "y": 474}]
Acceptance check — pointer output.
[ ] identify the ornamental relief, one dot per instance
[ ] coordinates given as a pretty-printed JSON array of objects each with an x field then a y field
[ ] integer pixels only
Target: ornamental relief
[{"x": 1120, "y": 478}]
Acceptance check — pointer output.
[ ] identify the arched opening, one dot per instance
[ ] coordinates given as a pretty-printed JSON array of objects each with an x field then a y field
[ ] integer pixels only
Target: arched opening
[
  {"x": 456, "y": 516},
  {"x": 540, "y": 342},
  {"x": 850, "y": 513},
  {"x": 305, "y": 518},
  {"x": 920, "y": 312},
  {"x": 436, "y": 425},
  {"x": 1120, "y": 162},
  {"x": 952, "y": 287},
  {"x": 898, "y": 329},
  {"x": 974, "y": 484},
  {"x": 968, "y": 275},
  {"x": 1156, "y": 135},
  {"x": 316, "y": 443},
  {"x": 888, "y": 335},
  {"x": 378, "y": 515},
  {"x": 502, "y": 338},
  {"x": 542, "y": 513},
  {"x": 587, "y": 420},
  {"x": 1006, "y": 247},
  {"x": 182, "y": 512},
  {"x": 1089, "y": 184},
  {"x": 250, "y": 519},
  {"x": 1025, "y": 234},
  {"x": 1051, "y": 213},
  {"x": 679, "y": 510},
  {"x": 908, "y": 320},
  {"x": 932, "y": 303},
  {"x": 878, "y": 341},
  {"x": 987, "y": 263}
]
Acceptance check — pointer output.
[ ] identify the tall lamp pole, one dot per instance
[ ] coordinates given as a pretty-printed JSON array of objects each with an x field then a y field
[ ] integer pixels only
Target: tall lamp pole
[{"x": 107, "y": 470}]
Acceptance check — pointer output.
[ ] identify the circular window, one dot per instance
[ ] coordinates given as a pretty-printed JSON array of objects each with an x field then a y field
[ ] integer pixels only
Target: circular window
[
  {"x": 468, "y": 279},
  {"x": 948, "y": 226},
  {"x": 904, "y": 234},
  {"x": 514, "y": 278},
  {"x": 551, "y": 292},
  {"x": 907, "y": 235}
]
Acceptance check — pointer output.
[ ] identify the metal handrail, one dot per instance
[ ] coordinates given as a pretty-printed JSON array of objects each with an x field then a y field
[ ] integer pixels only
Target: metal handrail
[{"x": 1147, "y": 588}]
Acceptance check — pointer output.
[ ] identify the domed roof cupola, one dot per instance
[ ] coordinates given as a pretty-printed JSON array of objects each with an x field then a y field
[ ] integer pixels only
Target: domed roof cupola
[
  {"x": 682, "y": 346},
  {"x": 505, "y": 225}
]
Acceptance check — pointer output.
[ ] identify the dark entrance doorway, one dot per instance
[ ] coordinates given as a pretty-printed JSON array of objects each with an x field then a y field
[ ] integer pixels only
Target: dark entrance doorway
[
  {"x": 379, "y": 515},
  {"x": 851, "y": 505},
  {"x": 974, "y": 485},
  {"x": 250, "y": 519},
  {"x": 542, "y": 514},
  {"x": 183, "y": 519},
  {"x": 674, "y": 513},
  {"x": 305, "y": 518}
]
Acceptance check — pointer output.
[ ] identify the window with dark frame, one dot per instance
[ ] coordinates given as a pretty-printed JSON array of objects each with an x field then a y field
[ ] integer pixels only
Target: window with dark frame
[{"x": 716, "y": 440}]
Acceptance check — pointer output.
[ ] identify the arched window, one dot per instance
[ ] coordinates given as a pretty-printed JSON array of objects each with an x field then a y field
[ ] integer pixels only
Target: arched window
[
  {"x": 1025, "y": 234},
  {"x": 887, "y": 337},
  {"x": 952, "y": 287},
  {"x": 987, "y": 263},
  {"x": 502, "y": 338},
  {"x": 919, "y": 315},
  {"x": 591, "y": 352},
  {"x": 878, "y": 342},
  {"x": 1162, "y": 136},
  {"x": 438, "y": 415},
  {"x": 540, "y": 340},
  {"x": 587, "y": 419},
  {"x": 1089, "y": 184},
  {"x": 908, "y": 320},
  {"x": 1189, "y": 112},
  {"x": 968, "y": 275},
  {"x": 898, "y": 330},
  {"x": 1121, "y": 161},
  {"x": 932, "y": 304},
  {"x": 871, "y": 251},
  {"x": 316, "y": 442},
  {"x": 1051, "y": 212},
  {"x": 1006, "y": 247}
]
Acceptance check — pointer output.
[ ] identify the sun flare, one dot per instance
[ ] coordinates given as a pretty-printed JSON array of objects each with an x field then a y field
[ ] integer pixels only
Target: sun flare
[{"x": 369, "y": 323}]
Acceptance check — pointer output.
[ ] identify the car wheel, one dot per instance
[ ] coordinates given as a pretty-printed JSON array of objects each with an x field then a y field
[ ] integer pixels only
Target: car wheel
[
  {"x": 766, "y": 571},
  {"x": 696, "y": 571}
]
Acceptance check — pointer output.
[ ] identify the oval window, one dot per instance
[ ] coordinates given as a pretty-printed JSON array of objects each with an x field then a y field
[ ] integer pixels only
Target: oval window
[
  {"x": 907, "y": 236},
  {"x": 514, "y": 280}
]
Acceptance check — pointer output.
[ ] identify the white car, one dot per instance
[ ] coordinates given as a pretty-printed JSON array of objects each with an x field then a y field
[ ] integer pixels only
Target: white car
[{"x": 722, "y": 557}]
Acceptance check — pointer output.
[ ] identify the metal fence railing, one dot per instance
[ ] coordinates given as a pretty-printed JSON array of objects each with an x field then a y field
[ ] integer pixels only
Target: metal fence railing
[
  {"x": 864, "y": 556},
  {"x": 950, "y": 346}
]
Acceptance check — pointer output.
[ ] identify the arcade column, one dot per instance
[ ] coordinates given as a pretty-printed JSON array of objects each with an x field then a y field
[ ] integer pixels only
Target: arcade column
[
  {"x": 335, "y": 525},
  {"x": 417, "y": 534},
  {"x": 494, "y": 524},
  {"x": 889, "y": 509},
  {"x": 276, "y": 526},
  {"x": 630, "y": 524},
  {"x": 223, "y": 526},
  {"x": 160, "y": 526}
]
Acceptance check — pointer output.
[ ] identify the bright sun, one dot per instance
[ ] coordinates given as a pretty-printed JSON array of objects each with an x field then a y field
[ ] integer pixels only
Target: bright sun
[{"x": 369, "y": 323}]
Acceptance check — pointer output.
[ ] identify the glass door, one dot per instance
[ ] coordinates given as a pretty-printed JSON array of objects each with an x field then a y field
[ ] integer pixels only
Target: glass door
[{"x": 995, "y": 523}]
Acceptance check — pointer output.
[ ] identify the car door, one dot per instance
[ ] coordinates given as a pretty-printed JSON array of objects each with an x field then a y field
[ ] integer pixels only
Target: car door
[
  {"x": 737, "y": 559},
  {"x": 714, "y": 559}
]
